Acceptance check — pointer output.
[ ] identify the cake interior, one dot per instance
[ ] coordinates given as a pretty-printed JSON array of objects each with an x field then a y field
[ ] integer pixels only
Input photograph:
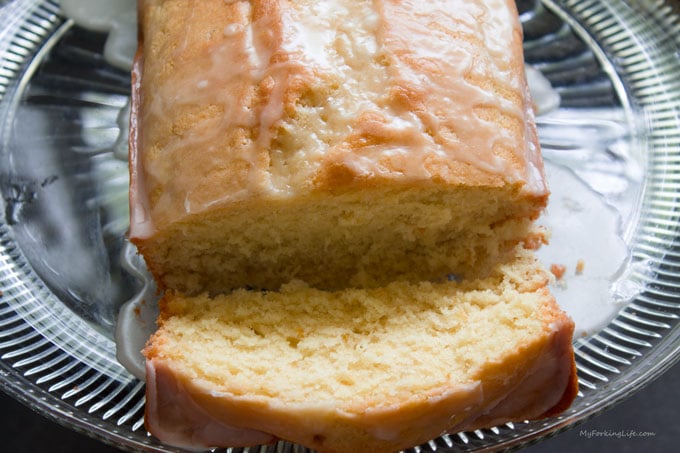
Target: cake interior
[
  {"x": 353, "y": 348},
  {"x": 359, "y": 239}
]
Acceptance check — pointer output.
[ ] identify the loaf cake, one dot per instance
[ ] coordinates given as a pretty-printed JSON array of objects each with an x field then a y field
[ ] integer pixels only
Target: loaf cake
[
  {"x": 379, "y": 369},
  {"x": 342, "y": 143},
  {"x": 337, "y": 199}
]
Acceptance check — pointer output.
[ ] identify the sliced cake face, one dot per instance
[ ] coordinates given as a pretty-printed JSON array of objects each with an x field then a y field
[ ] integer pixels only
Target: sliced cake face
[
  {"x": 374, "y": 139},
  {"x": 364, "y": 239},
  {"x": 384, "y": 368}
]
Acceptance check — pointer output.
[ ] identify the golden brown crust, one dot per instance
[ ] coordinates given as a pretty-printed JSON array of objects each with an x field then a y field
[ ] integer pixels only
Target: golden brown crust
[
  {"x": 565, "y": 340},
  {"x": 568, "y": 397}
]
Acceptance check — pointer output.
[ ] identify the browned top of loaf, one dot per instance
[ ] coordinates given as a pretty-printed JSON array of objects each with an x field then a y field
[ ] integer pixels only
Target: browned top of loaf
[{"x": 274, "y": 98}]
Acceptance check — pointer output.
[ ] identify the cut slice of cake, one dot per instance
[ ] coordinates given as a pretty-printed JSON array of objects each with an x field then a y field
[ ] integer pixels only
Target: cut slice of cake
[
  {"x": 342, "y": 143},
  {"x": 374, "y": 370}
]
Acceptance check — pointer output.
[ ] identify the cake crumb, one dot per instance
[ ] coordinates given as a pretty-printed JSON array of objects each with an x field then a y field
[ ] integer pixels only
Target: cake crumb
[
  {"x": 558, "y": 270},
  {"x": 539, "y": 237},
  {"x": 580, "y": 266}
]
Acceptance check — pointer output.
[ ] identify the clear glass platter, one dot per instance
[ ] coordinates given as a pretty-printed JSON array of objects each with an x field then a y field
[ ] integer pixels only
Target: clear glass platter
[{"x": 63, "y": 177}]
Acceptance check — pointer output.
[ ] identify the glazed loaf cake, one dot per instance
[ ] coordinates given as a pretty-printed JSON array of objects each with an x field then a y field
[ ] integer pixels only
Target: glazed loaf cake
[
  {"x": 342, "y": 143},
  {"x": 359, "y": 369}
]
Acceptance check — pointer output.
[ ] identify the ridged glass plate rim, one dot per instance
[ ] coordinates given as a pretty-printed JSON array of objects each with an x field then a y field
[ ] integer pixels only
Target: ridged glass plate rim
[{"x": 35, "y": 345}]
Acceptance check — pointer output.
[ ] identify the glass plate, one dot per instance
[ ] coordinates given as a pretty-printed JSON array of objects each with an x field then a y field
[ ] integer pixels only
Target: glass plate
[{"x": 615, "y": 65}]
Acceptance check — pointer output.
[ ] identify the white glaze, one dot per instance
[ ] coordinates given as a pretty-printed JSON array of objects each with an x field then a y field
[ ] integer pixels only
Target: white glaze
[
  {"x": 137, "y": 318},
  {"x": 546, "y": 98},
  {"x": 98, "y": 15},
  {"x": 118, "y": 17},
  {"x": 458, "y": 104},
  {"x": 121, "y": 43},
  {"x": 583, "y": 227}
]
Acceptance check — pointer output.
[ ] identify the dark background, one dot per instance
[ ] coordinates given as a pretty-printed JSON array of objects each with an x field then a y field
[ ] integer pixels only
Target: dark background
[{"x": 654, "y": 409}]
